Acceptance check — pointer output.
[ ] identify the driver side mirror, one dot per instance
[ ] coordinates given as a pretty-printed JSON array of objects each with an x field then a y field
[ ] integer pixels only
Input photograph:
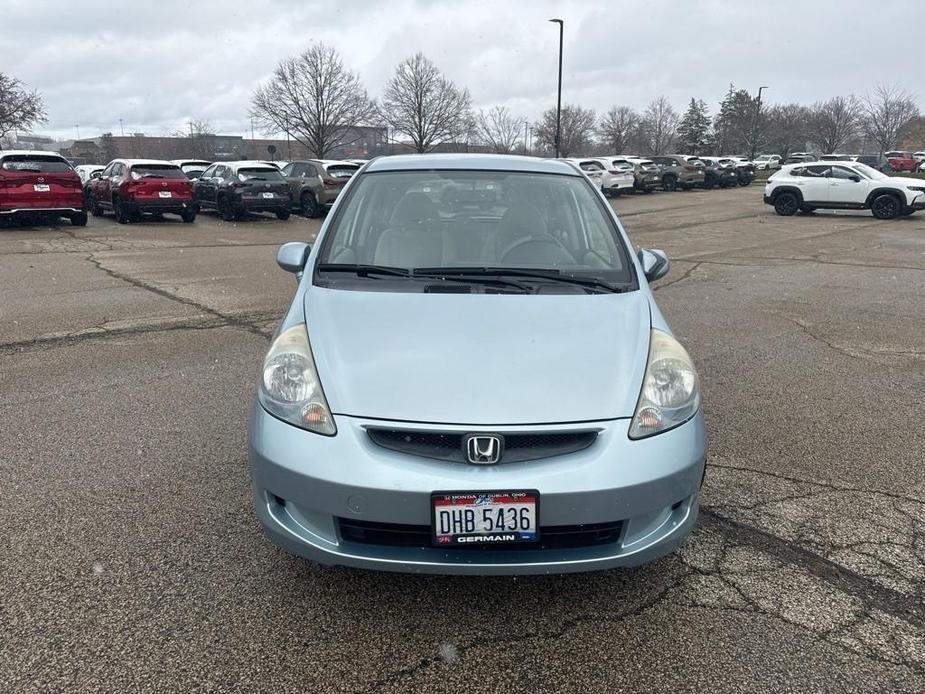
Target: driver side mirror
[
  {"x": 856, "y": 179},
  {"x": 655, "y": 263},
  {"x": 292, "y": 256},
  {"x": 96, "y": 174}
]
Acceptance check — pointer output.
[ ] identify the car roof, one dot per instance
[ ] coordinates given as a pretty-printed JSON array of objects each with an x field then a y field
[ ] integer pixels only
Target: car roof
[
  {"x": 474, "y": 162},
  {"x": 144, "y": 162},
  {"x": 248, "y": 162},
  {"x": 185, "y": 162},
  {"x": 29, "y": 153}
]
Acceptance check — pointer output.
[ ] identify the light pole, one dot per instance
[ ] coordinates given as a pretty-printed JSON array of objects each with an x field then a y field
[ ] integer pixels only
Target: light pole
[
  {"x": 121, "y": 128},
  {"x": 561, "y": 24},
  {"x": 78, "y": 131},
  {"x": 526, "y": 126},
  {"x": 755, "y": 126}
]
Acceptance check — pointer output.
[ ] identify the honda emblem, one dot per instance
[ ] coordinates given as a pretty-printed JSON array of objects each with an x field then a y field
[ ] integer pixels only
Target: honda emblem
[{"x": 483, "y": 449}]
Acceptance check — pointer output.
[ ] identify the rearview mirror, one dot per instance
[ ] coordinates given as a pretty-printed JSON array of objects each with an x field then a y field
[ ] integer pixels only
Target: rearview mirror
[
  {"x": 655, "y": 264},
  {"x": 291, "y": 257}
]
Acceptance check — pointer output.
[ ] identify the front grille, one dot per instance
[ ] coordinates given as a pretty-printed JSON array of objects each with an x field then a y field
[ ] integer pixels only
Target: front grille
[
  {"x": 419, "y": 536},
  {"x": 448, "y": 446}
]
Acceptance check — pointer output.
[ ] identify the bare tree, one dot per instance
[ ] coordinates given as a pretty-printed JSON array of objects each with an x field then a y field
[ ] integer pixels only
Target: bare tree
[
  {"x": 315, "y": 99},
  {"x": 20, "y": 109},
  {"x": 787, "y": 128},
  {"x": 832, "y": 123},
  {"x": 201, "y": 138},
  {"x": 658, "y": 125},
  {"x": 576, "y": 130},
  {"x": 616, "y": 128},
  {"x": 422, "y": 104},
  {"x": 499, "y": 130},
  {"x": 887, "y": 114}
]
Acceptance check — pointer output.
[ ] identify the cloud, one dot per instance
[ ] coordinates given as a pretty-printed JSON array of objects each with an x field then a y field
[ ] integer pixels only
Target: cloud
[{"x": 158, "y": 64}]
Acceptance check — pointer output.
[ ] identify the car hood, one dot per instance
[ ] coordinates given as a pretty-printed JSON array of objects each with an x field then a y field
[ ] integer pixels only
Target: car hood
[
  {"x": 903, "y": 181},
  {"x": 479, "y": 359}
]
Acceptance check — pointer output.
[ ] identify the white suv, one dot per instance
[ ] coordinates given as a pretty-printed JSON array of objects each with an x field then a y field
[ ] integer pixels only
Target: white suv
[
  {"x": 618, "y": 176},
  {"x": 843, "y": 185},
  {"x": 767, "y": 161}
]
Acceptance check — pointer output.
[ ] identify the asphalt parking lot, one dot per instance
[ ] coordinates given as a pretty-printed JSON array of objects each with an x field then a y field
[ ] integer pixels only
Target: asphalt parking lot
[{"x": 131, "y": 561}]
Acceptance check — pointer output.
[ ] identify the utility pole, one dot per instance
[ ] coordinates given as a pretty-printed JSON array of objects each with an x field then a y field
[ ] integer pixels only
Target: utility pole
[
  {"x": 561, "y": 24},
  {"x": 526, "y": 125},
  {"x": 78, "y": 130},
  {"x": 121, "y": 128},
  {"x": 754, "y": 137}
]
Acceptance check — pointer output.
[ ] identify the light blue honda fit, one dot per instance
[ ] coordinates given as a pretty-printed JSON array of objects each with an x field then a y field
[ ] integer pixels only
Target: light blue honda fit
[{"x": 473, "y": 378}]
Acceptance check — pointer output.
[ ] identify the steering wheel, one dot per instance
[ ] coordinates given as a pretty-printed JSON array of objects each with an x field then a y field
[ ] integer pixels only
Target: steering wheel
[{"x": 542, "y": 240}]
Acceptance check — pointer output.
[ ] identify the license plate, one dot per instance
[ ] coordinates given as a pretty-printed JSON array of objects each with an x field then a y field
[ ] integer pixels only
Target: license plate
[
  {"x": 268, "y": 195},
  {"x": 468, "y": 519},
  {"x": 41, "y": 187},
  {"x": 165, "y": 193}
]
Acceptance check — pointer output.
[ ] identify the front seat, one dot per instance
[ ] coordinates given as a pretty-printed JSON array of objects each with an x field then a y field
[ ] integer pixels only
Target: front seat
[{"x": 413, "y": 238}]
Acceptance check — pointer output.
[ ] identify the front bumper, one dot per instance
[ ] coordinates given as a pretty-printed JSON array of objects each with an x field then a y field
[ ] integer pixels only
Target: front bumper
[{"x": 304, "y": 483}]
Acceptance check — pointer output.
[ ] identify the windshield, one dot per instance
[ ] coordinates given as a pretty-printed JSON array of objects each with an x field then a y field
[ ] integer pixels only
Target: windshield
[
  {"x": 31, "y": 163},
  {"x": 868, "y": 171},
  {"x": 156, "y": 171},
  {"x": 453, "y": 219},
  {"x": 260, "y": 174}
]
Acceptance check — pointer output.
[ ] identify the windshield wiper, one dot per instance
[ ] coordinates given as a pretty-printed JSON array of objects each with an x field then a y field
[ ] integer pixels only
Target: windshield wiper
[
  {"x": 472, "y": 278},
  {"x": 364, "y": 270},
  {"x": 548, "y": 275}
]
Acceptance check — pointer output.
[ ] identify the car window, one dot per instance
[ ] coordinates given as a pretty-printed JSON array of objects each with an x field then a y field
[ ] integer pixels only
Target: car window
[
  {"x": 342, "y": 170},
  {"x": 415, "y": 219},
  {"x": 843, "y": 173},
  {"x": 34, "y": 163},
  {"x": 220, "y": 171},
  {"x": 208, "y": 173},
  {"x": 818, "y": 171},
  {"x": 591, "y": 166},
  {"x": 259, "y": 173},
  {"x": 140, "y": 171}
]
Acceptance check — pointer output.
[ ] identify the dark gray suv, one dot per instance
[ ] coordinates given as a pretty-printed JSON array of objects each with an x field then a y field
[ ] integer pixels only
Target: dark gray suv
[{"x": 679, "y": 171}]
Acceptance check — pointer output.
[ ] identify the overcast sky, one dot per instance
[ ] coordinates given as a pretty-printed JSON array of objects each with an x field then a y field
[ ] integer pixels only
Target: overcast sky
[{"x": 158, "y": 63}]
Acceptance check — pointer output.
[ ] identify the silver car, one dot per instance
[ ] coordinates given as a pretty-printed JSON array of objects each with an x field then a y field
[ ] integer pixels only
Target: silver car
[{"x": 474, "y": 378}]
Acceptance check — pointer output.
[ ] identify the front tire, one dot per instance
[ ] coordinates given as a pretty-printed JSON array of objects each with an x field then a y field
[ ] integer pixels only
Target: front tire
[
  {"x": 79, "y": 219},
  {"x": 886, "y": 206},
  {"x": 282, "y": 214},
  {"x": 188, "y": 215},
  {"x": 786, "y": 204}
]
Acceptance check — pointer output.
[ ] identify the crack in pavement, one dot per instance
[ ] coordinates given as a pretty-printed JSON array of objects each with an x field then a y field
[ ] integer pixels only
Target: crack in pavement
[
  {"x": 683, "y": 277},
  {"x": 859, "y": 353},
  {"x": 100, "y": 332},
  {"x": 561, "y": 630},
  {"x": 839, "y": 577},
  {"x": 244, "y": 324}
]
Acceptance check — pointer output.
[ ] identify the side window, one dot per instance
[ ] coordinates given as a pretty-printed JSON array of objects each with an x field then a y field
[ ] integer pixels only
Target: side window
[
  {"x": 117, "y": 170},
  {"x": 798, "y": 171},
  {"x": 818, "y": 171},
  {"x": 108, "y": 170},
  {"x": 208, "y": 173},
  {"x": 591, "y": 166},
  {"x": 842, "y": 173},
  {"x": 220, "y": 171},
  {"x": 311, "y": 170}
]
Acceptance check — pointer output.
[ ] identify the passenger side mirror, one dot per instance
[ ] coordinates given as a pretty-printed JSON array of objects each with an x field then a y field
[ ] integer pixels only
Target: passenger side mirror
[
  {"x": 291, "y": 257},
  {"x": 655, "y": 263}
]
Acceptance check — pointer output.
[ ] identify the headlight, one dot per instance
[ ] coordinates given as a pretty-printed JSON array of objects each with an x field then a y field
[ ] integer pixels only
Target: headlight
[
  {"x": 920, "y": 189},
  {"x": 290, "y": 388},
  {"x": 670, "y": 389}
]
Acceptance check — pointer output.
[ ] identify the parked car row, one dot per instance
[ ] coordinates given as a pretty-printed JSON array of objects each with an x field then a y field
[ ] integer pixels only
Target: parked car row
[{"x": 617, "y": 174}]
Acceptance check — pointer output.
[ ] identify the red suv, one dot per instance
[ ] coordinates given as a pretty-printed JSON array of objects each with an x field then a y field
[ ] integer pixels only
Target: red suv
[
  {"x": 132, "y": 187},
  {"x": 40, "y": 183},
  {"x": 902, "y": 161}
]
